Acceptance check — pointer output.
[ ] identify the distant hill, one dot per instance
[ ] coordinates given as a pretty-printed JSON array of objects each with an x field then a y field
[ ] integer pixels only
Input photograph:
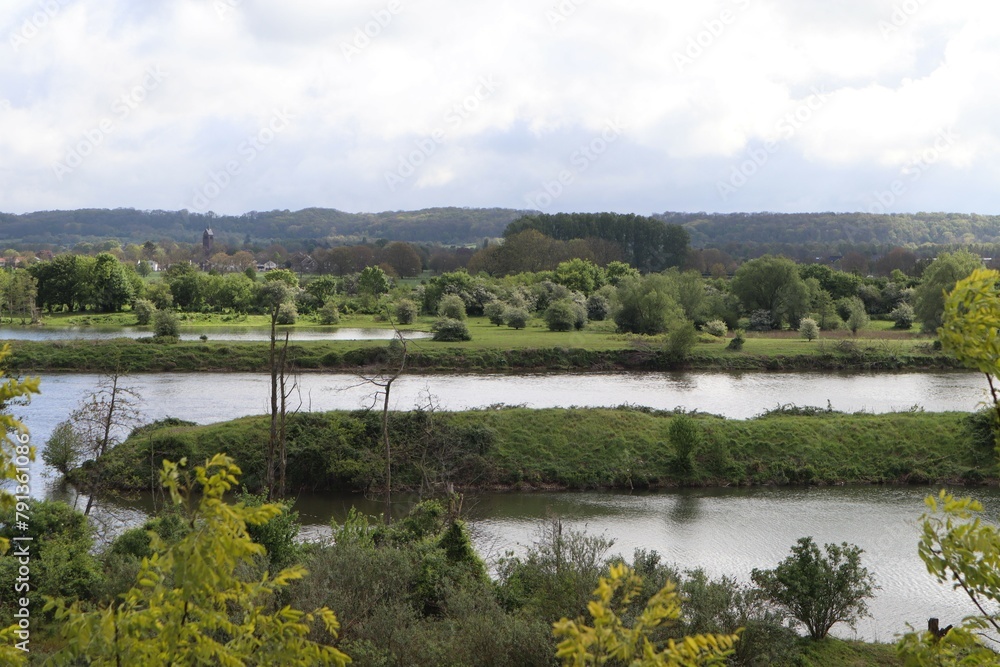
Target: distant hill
[
  {"x": 835, "y": 229},
  {"x": 468, "y": 226},
  {"x": 451, "y": 226}
]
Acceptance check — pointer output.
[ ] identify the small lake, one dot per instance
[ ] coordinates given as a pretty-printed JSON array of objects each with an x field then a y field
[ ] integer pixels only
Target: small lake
[{"x": 241, "y": 334}]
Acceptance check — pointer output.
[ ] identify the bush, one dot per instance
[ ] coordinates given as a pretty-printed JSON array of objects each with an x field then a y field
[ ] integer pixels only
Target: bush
[
  {"x": 903, "y": 315},
  {"x": 819, "y": 591},
  {"x": 143, "y": 310},
  {"x": 494, "y": 311},
  {"x": 685, "y": 437},
  {"x": 561, "y": 315},
  {"x": 287, "y": 313},
  {"x": 451, "y": 307},
  {"x": 165, "y": 324},
  {"x": 737, "y": 342},
  {"x": 681, "y": 340},
  {"x": 761, "y": 320},
  {"x": 406, "y": 311},
  {"x": 715, "y": 328},
  {"x": 597, "y": 308},
  {"x": 64, "y": 448},
  {"x": 516, "y": 318},
  {"x": 329, "y": 314},
  {"x": 451, "y": 330},
  {"x": 808, "y": 328}
]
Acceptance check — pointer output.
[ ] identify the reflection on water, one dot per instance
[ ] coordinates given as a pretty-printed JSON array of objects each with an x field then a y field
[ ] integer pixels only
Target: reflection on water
[{"x": 725, "y": 531}]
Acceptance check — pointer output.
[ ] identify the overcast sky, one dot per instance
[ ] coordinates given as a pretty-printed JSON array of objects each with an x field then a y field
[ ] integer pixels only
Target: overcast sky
[{"x": 579, "y": 105}]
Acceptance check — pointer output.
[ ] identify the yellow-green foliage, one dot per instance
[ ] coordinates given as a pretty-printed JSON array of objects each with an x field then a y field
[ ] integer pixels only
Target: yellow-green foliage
[
  {"x": 610, "y": 640},
  {"x": 958, "y": 547},
  {"x": 13, "y": 434},
  {"x": 189, "y": 606},
  {"x": 971, "y": 321}
]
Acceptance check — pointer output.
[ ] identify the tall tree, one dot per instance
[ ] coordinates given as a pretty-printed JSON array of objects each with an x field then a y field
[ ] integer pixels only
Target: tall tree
[
  {"x": 771, "y": 283},
  {"x": 938, "y": 278}
]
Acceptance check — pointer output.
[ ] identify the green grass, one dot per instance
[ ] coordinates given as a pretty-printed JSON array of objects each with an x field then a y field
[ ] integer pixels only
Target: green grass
[
  {"x": 586, "y": 448},
  {"x": 838, "y": 653}
]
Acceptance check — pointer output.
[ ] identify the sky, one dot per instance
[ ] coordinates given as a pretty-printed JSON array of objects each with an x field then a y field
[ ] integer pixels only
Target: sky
[{"x": 574, "y": 105}]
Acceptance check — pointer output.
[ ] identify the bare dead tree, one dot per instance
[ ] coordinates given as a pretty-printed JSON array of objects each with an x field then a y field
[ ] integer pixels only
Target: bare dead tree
[
  {"x": 102, "y": 421},
  {"x": 382, "y": 380}
]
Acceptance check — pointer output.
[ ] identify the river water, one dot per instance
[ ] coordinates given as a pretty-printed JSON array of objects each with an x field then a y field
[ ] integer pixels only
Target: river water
[
  {"x": 240, "y": 334},
  {"x": 727, "y": 531}
]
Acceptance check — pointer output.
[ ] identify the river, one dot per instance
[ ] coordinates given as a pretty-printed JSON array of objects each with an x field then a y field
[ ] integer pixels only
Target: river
[
  {"x": 728, "y": 531},
  {"x": 239, "y": 334}
]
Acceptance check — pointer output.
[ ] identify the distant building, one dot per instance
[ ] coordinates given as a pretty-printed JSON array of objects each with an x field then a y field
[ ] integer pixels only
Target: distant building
[
  {"x": 208, "y": 241},
  {"x": 266, "y": 266}
]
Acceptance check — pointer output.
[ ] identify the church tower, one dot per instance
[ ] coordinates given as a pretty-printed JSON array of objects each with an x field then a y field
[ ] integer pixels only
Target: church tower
[{"x": 207, "y": 241}]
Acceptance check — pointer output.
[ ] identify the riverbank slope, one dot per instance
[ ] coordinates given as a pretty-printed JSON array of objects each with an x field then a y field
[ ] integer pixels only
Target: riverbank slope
[{"x": 624, "y": 448}]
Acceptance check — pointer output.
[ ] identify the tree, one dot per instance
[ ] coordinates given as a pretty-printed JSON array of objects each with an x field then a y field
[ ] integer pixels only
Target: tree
[
  {"x": 20, "y": 294},
  {"x": 373, "y": 281},
  {"x": 646, "y": 305},
  {"x": 143, "y": 310},
  {"x": 64, "y": 448},
  {"x": 406, "y": 311},
  {"x": 562, "y": 315},
  {"x": 273, "y": 295},
  {"x": 286, "y": 276},
  {"x": 610, "y": 641},
  {"x": 579, "y": 275},
  {"x": 938, "y": 278},
  {"x": 404, "y": 260},
  {"x": 101, "y": 421},
  {"x": 515, "y": 318},
  {"x": 165, "y": 324},
  {"x": 773, "y": 284},
  {"x": 452, "y": 307},
  {"x": 190, "y": 604},
  {"x": 808, "y": 329},
  {"x": 955, "y": 544},
  {"x": 450, "y": 330},
  {"x": 111, "y": 285},
  {"x": 819, "y": 590},
  {"x": 857, "y": 316}
]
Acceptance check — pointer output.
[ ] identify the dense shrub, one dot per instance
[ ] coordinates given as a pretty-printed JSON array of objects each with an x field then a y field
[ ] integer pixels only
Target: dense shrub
[
  {"x": 903, "y": 316},
  {"x": 561, "y": 315},
  {"x": 406, "y": 311},
  {"x": 143, "y": 310},
  {"x": 165, "y": 324},
  {"x": 449, "y": 329},
  {"x": 494, "y": 311},
  {"x": 761, "y": 320},
  {"x": 681, "y": 340},
  {"x": 597, "y": 308},
  {"x": 715, "y": 328},
  {"x": 329, "y": 314},
  {"x": 287, "y": 313},
  {"x": 515, "y": 318},
  {"x": 737, "y": 341},
  {"x": 451, "y": 307},
  {"x": 808, "y": 328}
]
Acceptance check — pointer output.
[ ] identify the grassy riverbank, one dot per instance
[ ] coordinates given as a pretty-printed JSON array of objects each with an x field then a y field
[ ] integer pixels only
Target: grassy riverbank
[
  {"x": 533, "y": 351},
  {"x": 581, "y": 448}
]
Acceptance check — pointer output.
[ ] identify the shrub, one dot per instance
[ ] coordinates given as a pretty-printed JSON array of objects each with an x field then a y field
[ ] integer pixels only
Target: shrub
[
  {"x": 716, "y": 328},
  {"x": 143, "y": 310},
  {"x": 819, "y": 591},
  {"x": 450, "y": 330},
  {"x": 685, "y": 437},
  {"x": 328, "y": 313},
  {"x": 903, "y": 315},
  {"x": 287, "y": 313},
  {"x": 406, "y": 311},
  {"x": 165, "y": 324},
  {"x": 64, "y": 448},
  {"x": 494, "y": 311},
  {"x": 681, "y": 340},
  {"x": 561, "y": 315},
  {"x": 451, "y": 307},
  {"x": 737, "y": 342},
  {"x": 597, "y": 308},
  {"x": 516, "y": 318},
  {"x": 808, "y": 328},
  {"x": 761, "y": 320}
]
